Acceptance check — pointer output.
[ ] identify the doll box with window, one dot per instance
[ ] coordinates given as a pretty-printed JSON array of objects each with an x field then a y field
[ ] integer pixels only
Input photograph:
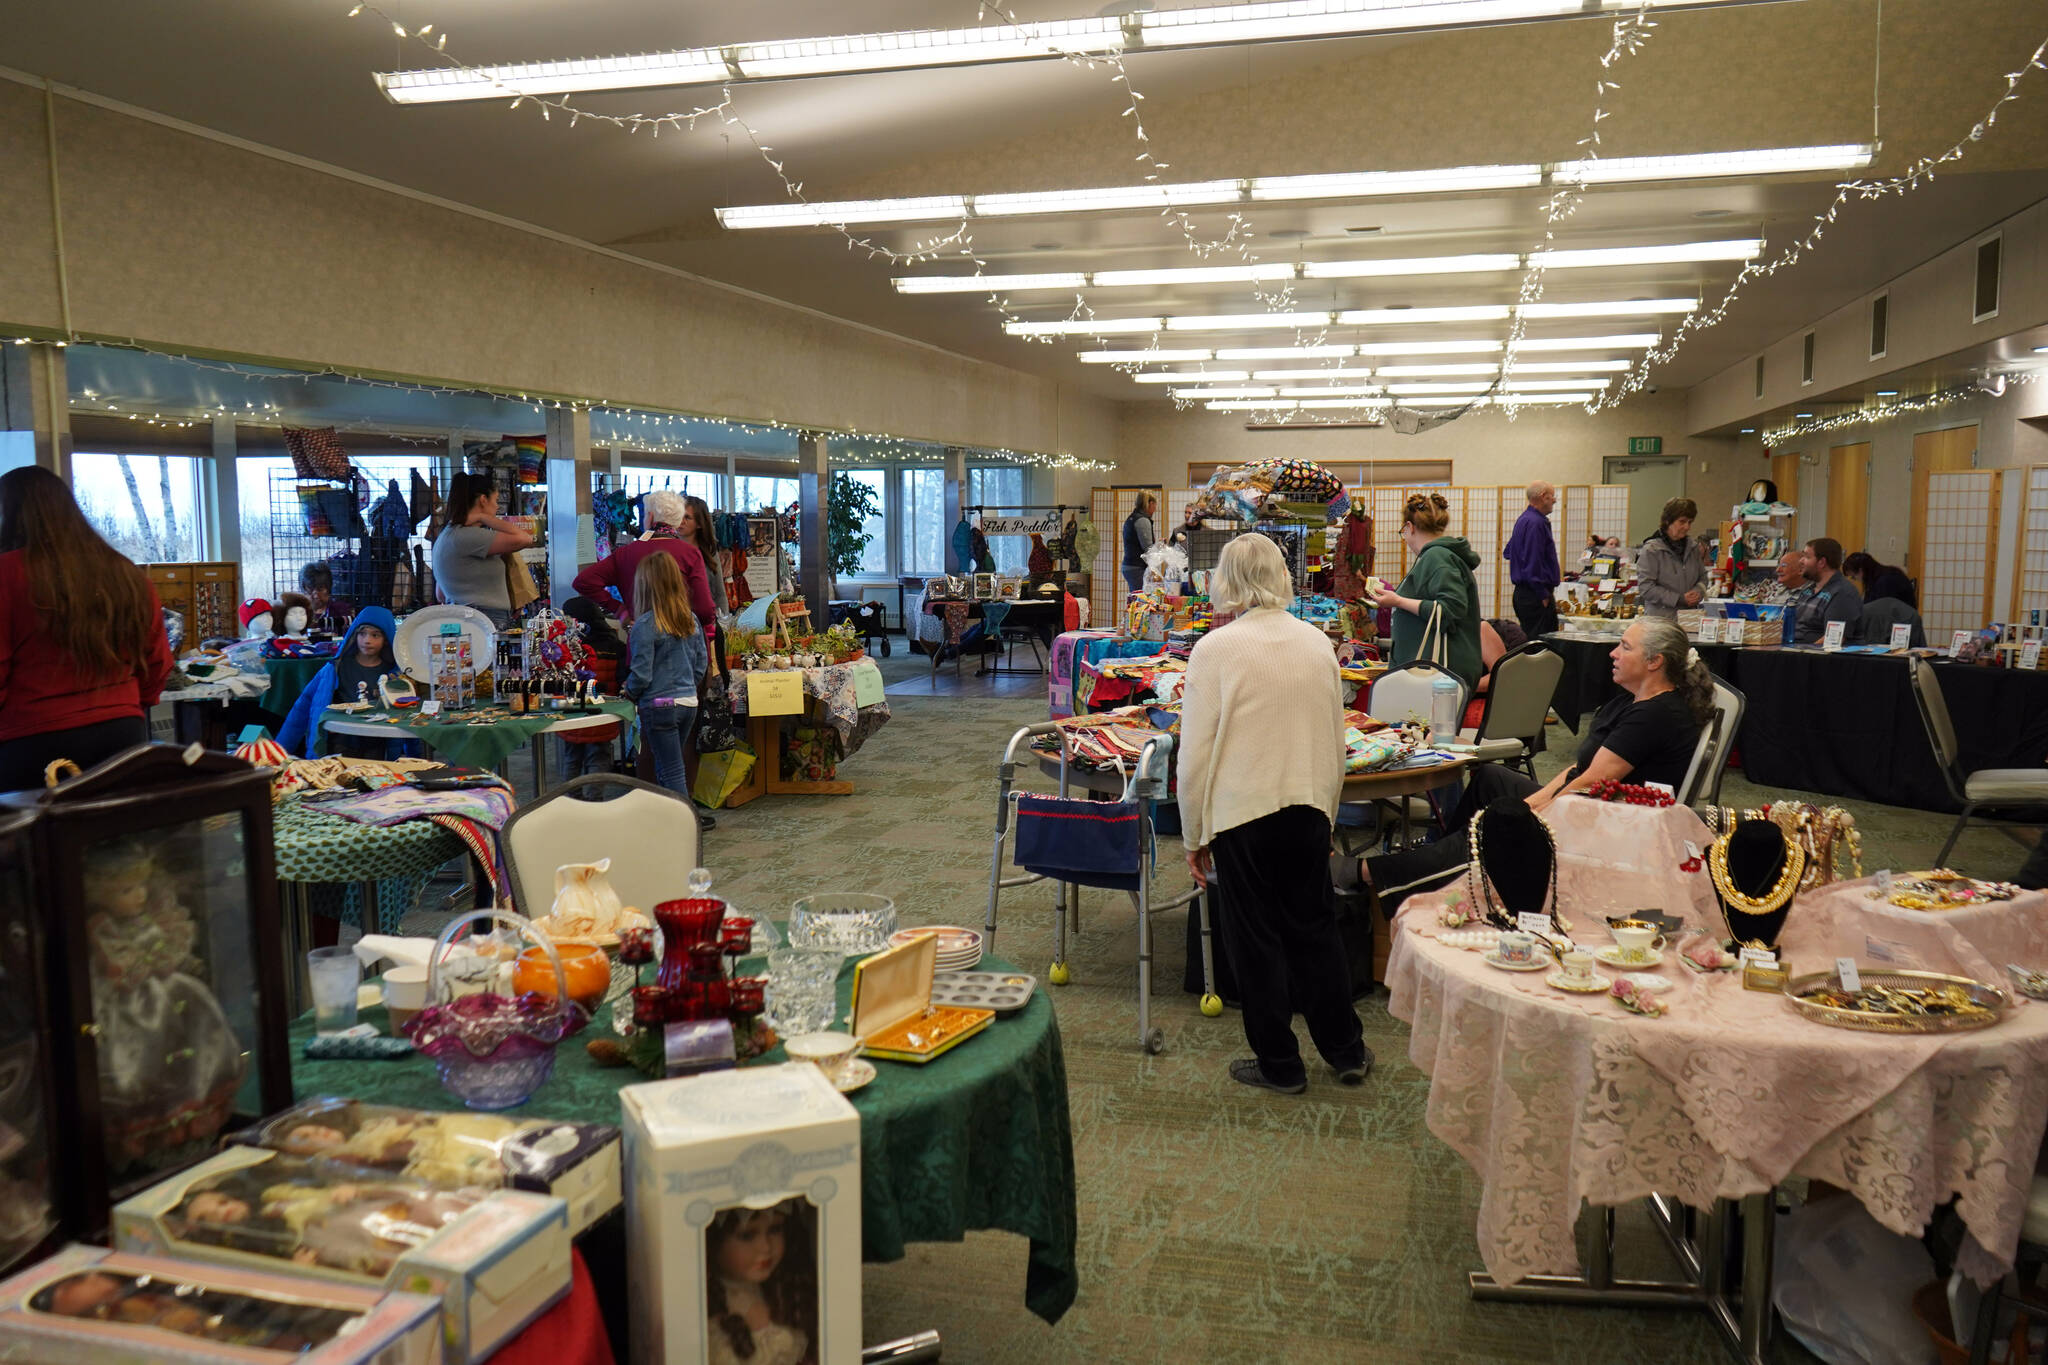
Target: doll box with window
[
  {"x": 743, "y": 1218},
  {"x": 495, "y": 1259},
  {"x": 87, "y": 1305}
]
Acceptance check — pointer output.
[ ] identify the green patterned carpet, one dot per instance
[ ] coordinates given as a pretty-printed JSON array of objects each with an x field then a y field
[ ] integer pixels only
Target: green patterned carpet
[{"x": 1218, "y": 1224}]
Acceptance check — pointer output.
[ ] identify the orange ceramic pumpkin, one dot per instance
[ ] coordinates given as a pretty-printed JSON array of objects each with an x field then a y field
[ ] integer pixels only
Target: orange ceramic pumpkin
[{"x": 587, "y": 969}]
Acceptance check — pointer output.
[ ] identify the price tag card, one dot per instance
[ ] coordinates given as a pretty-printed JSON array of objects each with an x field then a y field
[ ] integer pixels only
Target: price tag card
[
  {"x": 1884, "y": 882},
  {"x": 777, "y": 693},
  {"x": 2030, "y": 654},
  {"x": 1955, "y": 643},
  {"x": 1759, "y": 957},
  {"x": 1845, "y": 968},
  {"x": 1664, "y": 787},
  {"x": 1832, "y": 639},
  {"x": 1533, "y": 922},
  {"x": 430, "y": 708},
  {"x": 1709, "y": 631},
  {"x": 867, "y": 683},
  {"x": 1692, "y": 851},
  {"x": 1902, "y": 636}
]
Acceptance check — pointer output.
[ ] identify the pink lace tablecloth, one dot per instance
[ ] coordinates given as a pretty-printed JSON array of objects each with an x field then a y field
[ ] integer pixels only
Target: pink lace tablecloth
[
  {"x": 1558, "y": 1100},
  {"x": 2001, "y": 931}
]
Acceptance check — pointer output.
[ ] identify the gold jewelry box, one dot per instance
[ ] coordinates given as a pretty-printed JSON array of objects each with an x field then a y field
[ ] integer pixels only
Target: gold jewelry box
[{"x": 893, "y": 1013}]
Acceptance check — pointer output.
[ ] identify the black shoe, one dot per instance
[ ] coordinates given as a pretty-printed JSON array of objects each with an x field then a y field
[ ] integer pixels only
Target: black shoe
[
  {"x": 1245, "y": 1071},
  {"x": 706, "y": 823},
  {"x": 1355, "y": 1075}
]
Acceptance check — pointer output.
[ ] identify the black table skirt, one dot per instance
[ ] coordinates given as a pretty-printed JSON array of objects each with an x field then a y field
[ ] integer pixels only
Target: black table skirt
[{"x": 1846, "y": 725}]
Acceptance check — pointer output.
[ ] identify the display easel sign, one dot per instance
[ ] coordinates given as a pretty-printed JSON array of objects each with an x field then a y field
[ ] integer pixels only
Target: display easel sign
[
  {"x": 1902, "y": 636},
  {"x": 775, "y": 693},
  {"x": 1831, "y": 640},
  {"x": 867, "y": 683},
  {"x": 1956, "y": 643},
  {"x": 2030, "y": 655}
]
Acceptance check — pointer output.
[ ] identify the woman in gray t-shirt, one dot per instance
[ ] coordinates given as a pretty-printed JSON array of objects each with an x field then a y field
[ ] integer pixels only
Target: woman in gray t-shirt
[{"x": 468, "y": 553}]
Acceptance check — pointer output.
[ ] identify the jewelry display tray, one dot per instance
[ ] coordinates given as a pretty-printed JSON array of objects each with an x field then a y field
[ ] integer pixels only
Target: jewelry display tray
[
  {"x": 1991, "y": 999},
  {"x": 1003, "y": 992}
]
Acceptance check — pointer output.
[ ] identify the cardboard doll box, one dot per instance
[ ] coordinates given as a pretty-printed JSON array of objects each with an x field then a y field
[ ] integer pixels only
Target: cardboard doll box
[
  {"x": 575, "y": 1162},
  {"x": 496, "y": 1260},
  {"x": 90, "y": 1306},
  {"x": 743, "y": 1184}
]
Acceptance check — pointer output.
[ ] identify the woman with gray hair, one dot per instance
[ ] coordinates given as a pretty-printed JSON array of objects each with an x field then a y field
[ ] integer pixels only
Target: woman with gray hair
[
  {"x": 1261, "y": 767},
  {"x": 1646, "y": 733},
  {"x": 609, "y": 582}
]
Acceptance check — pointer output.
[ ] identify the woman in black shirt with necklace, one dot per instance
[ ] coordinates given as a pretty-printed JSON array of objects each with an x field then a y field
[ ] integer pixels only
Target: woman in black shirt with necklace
[{"x": 1646, "y": 733}]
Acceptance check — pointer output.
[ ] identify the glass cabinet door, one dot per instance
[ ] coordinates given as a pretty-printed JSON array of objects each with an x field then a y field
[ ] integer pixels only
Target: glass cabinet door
[{"x": 27, "y": 1204}]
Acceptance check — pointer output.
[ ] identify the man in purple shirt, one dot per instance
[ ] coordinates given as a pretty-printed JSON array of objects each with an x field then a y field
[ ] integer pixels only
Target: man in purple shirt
[{"x": 1532, "y": 562}]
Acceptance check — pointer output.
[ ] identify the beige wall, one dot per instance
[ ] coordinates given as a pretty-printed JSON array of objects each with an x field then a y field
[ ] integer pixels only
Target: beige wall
[{"x": 188, "y": 242}]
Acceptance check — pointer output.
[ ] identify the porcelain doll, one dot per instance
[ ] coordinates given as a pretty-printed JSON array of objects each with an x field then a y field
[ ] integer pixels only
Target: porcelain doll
[
  {"x": 169, "y": 1064},
  {"x": 761, "y": 1266}
]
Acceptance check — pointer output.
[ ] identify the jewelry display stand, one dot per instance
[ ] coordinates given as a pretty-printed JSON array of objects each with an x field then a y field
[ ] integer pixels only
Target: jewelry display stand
[{"x": 1756, "y": 872}]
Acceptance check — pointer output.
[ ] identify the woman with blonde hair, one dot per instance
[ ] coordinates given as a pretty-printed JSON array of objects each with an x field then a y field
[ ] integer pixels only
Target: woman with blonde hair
[
  {"x": 668, "y": 658},
  {"x": 1261, "y": 767},
  {"x": 1436, "y": 608}
]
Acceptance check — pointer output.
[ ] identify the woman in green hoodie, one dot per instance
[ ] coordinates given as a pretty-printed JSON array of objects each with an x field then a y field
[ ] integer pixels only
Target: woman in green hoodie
[{"x": 1439, "y": 577}]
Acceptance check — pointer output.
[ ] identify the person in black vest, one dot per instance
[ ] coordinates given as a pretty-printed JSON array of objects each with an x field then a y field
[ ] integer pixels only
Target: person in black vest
[{"x": 1139, "y": 536}]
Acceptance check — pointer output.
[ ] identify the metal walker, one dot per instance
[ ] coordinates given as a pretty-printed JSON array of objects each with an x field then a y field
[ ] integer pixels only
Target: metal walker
[{"x": 1148, "y": 788}]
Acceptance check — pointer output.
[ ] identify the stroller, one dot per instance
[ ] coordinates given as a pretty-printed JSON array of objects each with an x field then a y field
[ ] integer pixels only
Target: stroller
[{"x": 1075, "y": 842}]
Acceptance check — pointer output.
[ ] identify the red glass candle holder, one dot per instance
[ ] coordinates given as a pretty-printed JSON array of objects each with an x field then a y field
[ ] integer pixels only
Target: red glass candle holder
[
  {"x": 736, "y": 935},
  {"x": 686, "y": 924},
  {"x": 749, "y": 995},
  {"x": 650, "y": 1006},
  {"x": 636, "y": 946}
]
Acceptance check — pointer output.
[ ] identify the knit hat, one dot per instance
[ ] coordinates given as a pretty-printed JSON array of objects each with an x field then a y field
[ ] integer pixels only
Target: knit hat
[{"x": 252, "y": 609}]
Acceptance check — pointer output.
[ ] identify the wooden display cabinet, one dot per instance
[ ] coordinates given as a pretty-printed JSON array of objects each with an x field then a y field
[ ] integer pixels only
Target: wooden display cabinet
[
  {"x": 159, "y": 966},
  {"x": 206, "y": 595},
  {"x": 30, "y": 1227}
]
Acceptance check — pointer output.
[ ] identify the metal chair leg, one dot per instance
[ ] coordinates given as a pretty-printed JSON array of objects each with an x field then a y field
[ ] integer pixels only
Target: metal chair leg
[{"x": 1962, "y": 822}]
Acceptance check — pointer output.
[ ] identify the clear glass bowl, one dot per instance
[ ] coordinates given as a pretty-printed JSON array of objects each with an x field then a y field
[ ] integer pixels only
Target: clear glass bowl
[{"x": 850, "y": 922}]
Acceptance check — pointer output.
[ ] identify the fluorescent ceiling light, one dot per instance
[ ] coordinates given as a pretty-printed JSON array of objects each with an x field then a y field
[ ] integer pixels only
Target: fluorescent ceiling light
[
  {"x": 1341, "y": 403},
  {"x": 1241, "y": 405},
  {"x": 1715, "y": 165},
  {"x": 1470, "y": 347},
  {"x": 1378, "y": 317},
  {"x": 988, "y": 284},
  {"x": 1080, "y": 327},
  {"x": 1420, "y": 265},
  {"x": 1337, "y": 391},
  {"x": 1142, "y": 357},
  {"x": 1619, "y": 308},
  {"x": 1281, "y": 20},
  {"x": 1192, "y": 376},
  {"x": 1344, "y": 372},
  {"x": 1407, "y": 371},
  {"x": 1333, "y": 352},
  {"x": 1382, "y": 184},
  {"x": 1195, "y": 274},
  {"x": 1246, "y": 322},
  {"x": 1636, "y": 342},
  {"x": 1526, "y": 386},
  {"x": 1247, "y": 391},
  {"x": 1303, "y": 188},
  {"x": 1745, "y": 249},
  {"x": 1569, "y": 366}
]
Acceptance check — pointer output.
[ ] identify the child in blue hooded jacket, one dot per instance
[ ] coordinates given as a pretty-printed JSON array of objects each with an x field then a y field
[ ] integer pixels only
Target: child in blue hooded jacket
[{"x": 360, "y": 665}]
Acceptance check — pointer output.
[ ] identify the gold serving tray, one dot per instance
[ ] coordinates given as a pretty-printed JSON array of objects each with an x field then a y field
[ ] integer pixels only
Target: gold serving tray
[{"x": 1994, "y": 1001}]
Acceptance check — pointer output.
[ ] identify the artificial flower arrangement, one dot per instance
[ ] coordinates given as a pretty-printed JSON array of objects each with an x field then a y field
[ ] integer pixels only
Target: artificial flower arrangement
[
  {"x": 1635, "y": 999},
  {"x": 1705, "y": 955}
]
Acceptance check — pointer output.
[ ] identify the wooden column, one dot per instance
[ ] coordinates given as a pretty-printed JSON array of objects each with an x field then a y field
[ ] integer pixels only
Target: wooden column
[
  {"x": 814, "y": 580},
  {"x": 954, "y": 501},
  {"x": 35, "y": 398}
]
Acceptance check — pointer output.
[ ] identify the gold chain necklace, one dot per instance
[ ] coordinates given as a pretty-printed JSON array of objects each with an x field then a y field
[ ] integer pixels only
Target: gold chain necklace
[{"x": 1772, "y": 900}]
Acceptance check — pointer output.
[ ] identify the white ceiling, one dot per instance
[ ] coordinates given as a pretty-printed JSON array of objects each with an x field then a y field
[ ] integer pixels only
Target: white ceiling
[{"x": 295, "y": 74}]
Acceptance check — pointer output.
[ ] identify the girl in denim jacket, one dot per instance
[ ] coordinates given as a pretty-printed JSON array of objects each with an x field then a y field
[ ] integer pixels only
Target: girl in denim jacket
[{"x": 669, "y": 656}]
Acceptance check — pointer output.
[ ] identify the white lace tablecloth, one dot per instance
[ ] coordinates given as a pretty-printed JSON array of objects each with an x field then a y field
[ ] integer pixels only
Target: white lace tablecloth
[
  {"x": 2002, "y": 931},
  {"x": 1558, "y": 1100}
]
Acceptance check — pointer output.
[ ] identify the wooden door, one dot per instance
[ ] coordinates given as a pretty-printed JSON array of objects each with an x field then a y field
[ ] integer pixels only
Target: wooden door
[
  {"x": 1934, "y": 452},
  {"x": 1785, "y": 474},
  {"x": 1849, "y": 495}
]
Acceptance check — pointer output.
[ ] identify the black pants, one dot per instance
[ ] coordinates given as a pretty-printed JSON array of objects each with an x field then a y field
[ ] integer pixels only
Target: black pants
[
  {"x": 1397, "y": 876},
  {"x": 1536, "y": 609},
  {"x": 22, "y": 760},
  {"x": 1280, "y": 929}
]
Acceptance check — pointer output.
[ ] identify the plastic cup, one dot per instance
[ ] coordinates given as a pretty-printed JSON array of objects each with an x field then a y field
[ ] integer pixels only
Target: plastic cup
[{"x": 335, "y": 975}]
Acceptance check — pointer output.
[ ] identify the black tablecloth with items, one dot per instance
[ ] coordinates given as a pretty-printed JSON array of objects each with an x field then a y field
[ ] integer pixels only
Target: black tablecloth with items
[{"x": 1846, "y": 725}]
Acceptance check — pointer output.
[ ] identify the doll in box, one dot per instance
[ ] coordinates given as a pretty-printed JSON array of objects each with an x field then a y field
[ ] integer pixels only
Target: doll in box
[
  {"x": 169, "y": 1064},
  {"x": 762, "y": 1266},
  {"x": 361, "y": 1227}
]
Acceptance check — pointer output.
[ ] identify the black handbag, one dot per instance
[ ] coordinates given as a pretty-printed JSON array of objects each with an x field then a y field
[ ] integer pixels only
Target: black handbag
[{"x": 717, "y": 728}]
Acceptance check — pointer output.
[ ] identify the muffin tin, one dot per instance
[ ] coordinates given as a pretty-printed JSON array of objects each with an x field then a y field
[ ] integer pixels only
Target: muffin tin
[{"x": 1003, "y": 992}]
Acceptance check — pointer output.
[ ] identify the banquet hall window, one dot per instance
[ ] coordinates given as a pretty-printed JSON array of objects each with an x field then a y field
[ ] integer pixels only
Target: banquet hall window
[
  {"x": 1003, "y": 487},
  {"x": 256, "y": 503},
  {"x": 147, "y": 506},
  {"x": 874, "y": 556},
  {"x": 758, "y": 491},
  {"x": 921, "y": 527},
  {"x": 690, "y": 483}
]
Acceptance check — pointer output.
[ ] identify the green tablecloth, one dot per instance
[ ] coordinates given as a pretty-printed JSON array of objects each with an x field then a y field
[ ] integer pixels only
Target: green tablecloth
[
  {"x": 288, "y": 678},
  {"x": 336, "y": 855},
  {"x": 978, "y": 1138},
  {"x": 469, "y": 746}
]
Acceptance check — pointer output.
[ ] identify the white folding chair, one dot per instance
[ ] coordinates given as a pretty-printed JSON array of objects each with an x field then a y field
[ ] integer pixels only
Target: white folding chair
[
  {"x": 1709, "y": 764},
  {"x": 649, "y": 833},
  {"x": 2015, "y": 789}
]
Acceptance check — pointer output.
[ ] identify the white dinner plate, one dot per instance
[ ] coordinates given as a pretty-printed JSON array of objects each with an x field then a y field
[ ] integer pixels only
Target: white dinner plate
[
  {"x": 1610, "y": 956},
  {"x": 410, "y": 648},
  {"x": 1542, "y": 963}
]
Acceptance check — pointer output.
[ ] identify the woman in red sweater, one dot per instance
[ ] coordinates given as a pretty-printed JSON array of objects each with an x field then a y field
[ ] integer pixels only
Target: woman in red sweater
[{"x": 82, "y": 650}]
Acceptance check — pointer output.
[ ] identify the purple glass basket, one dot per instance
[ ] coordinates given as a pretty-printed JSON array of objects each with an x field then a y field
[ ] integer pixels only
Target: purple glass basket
[{"x": 493, "y": 1051}]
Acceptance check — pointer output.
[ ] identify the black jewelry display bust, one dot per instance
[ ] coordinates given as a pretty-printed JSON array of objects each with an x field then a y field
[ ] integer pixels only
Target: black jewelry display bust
[
  {"x": 1514, "y": 851},
  {"x": 1756, "y": 855}
]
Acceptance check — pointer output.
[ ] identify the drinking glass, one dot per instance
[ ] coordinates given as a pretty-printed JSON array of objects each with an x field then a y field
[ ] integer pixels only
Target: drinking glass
[
  {"x": 335, "y": 974},
  {"x": 802, "y": 994}
]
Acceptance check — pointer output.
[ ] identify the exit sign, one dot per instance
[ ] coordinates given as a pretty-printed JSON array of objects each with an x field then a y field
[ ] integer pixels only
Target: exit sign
[{"x": 1646, "y": 445}]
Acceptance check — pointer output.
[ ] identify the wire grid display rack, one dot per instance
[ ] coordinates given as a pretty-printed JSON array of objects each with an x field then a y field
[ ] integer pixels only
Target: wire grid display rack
[{"x": 366, "y": 568}]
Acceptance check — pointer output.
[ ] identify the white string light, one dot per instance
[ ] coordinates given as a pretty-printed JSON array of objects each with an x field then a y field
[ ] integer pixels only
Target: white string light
[{"x": 1890, "y": 410}]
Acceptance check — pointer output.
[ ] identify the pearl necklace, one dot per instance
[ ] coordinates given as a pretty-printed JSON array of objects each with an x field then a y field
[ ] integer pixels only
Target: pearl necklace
[{"x": 1481, "y": 885}]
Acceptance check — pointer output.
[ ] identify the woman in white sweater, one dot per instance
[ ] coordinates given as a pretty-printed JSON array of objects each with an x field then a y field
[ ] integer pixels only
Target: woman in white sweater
[{"x": 1261, "y": 768}]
